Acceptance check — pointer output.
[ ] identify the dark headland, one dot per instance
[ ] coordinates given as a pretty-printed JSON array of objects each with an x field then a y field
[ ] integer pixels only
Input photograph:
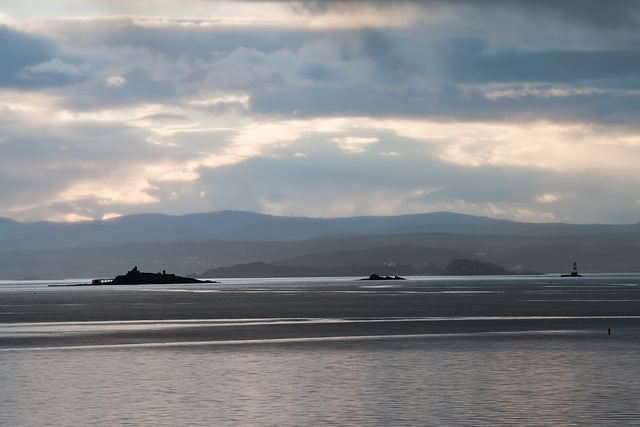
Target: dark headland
[{"x": 137, "y": 277}]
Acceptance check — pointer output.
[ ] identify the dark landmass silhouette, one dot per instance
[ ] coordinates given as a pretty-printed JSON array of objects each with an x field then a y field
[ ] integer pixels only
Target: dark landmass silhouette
[
  {"x": 137, "y": 277},
  {"x": 252, "y": 227},
  {"x": 457, "y": 267},
  {"x": 376, "y": 277},
  {"x": 194, "y": 245},
  {"x": 263, "y": 269}
]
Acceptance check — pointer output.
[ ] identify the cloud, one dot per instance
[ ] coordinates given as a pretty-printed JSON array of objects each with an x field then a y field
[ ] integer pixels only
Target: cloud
[
  {"x": 115, "y": 81},
  {"x": 352, "y": 144},
  {"x": 468, "y": 60},
  {"x": 610, "y": 15},
  {"x": 55, "y": 65},
  {"x": 515, "y": 109},
  {"x": 33, "y": 61},
  {"x": 547, "y": 198},
  {"x": 372, "y": 72},
  {"x": 20, "y": 50}
]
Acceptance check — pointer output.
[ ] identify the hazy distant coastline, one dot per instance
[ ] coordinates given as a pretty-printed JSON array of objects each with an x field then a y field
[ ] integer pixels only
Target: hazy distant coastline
[
  {"x": 194, "y": 245},
  {"x": 458, "y": 267}
]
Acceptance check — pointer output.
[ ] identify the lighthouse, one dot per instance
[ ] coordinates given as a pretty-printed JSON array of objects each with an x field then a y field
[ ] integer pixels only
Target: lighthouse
[{"x": 574, "y": 271}]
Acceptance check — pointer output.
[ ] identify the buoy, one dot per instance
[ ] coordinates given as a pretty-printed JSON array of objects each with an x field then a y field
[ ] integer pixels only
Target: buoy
[{"x": 609, "y": 331}]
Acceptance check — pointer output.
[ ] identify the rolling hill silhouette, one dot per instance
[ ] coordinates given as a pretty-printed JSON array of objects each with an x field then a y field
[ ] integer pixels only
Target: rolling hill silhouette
[
  {"x": 250, "y": 226},
  {"x": 196, "y": 243}
]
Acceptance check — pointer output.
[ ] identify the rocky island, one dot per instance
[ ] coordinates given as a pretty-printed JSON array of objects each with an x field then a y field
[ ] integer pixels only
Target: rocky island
[
  {"x": 376, "y": 277},
  {"x": 137, "y": 277}
]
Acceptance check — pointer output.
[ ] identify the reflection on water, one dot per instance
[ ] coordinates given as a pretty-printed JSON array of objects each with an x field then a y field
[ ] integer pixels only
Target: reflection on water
[
  {"x": 447, "y": 381},
  {"x": 435, "y": 351}
]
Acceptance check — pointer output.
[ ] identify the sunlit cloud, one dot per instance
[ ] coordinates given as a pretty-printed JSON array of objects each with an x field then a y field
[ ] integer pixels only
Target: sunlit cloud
[
  {"x": 349, "y": 15},
  {"x": 332, "y": 15},
  {"x": 128, "y": 192},
  {"x": 539, "y": 145},
  {"x": 5, "y": 19},
  {"x": 252, "y": 140},
  {"x": 75, "y": 218},
  {"x": 547, "y": 198},
  {"x": 31, "y": 107},
  {"x": 170, "y": 171},
  {"x": 218, "y": 100},
  {"x": 352, "y": 144},
  {"x": 111, "y": 216}
]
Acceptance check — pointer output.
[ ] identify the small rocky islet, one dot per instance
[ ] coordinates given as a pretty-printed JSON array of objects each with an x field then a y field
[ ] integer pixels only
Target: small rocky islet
[
  {"x": 137, "y": 277},
  {"x": 376, "y": 277}
]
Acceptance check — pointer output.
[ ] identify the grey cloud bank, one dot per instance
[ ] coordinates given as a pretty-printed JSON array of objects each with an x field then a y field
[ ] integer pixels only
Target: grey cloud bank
[{"x": 516, "y": 110}]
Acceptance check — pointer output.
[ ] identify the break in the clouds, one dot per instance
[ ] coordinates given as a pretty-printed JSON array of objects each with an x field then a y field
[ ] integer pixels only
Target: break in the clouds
[{"x": 512, "y": 109}]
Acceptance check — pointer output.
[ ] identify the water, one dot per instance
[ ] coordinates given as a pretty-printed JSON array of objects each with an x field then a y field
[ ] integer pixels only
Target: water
[{"x": 233, "y": 354}]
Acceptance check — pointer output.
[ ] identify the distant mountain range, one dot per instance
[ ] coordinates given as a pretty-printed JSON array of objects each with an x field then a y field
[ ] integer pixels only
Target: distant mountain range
[
  {"x": 196, "y": 243},
  {"x": 250, "y": 226}
]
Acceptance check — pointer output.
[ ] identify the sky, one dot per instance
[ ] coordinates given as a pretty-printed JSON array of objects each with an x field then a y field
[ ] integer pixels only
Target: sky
[{"x": 512, "y": 109}]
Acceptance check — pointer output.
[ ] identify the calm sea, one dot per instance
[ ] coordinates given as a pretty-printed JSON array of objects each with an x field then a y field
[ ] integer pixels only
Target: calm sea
[{"x": 470, "y": 359}]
